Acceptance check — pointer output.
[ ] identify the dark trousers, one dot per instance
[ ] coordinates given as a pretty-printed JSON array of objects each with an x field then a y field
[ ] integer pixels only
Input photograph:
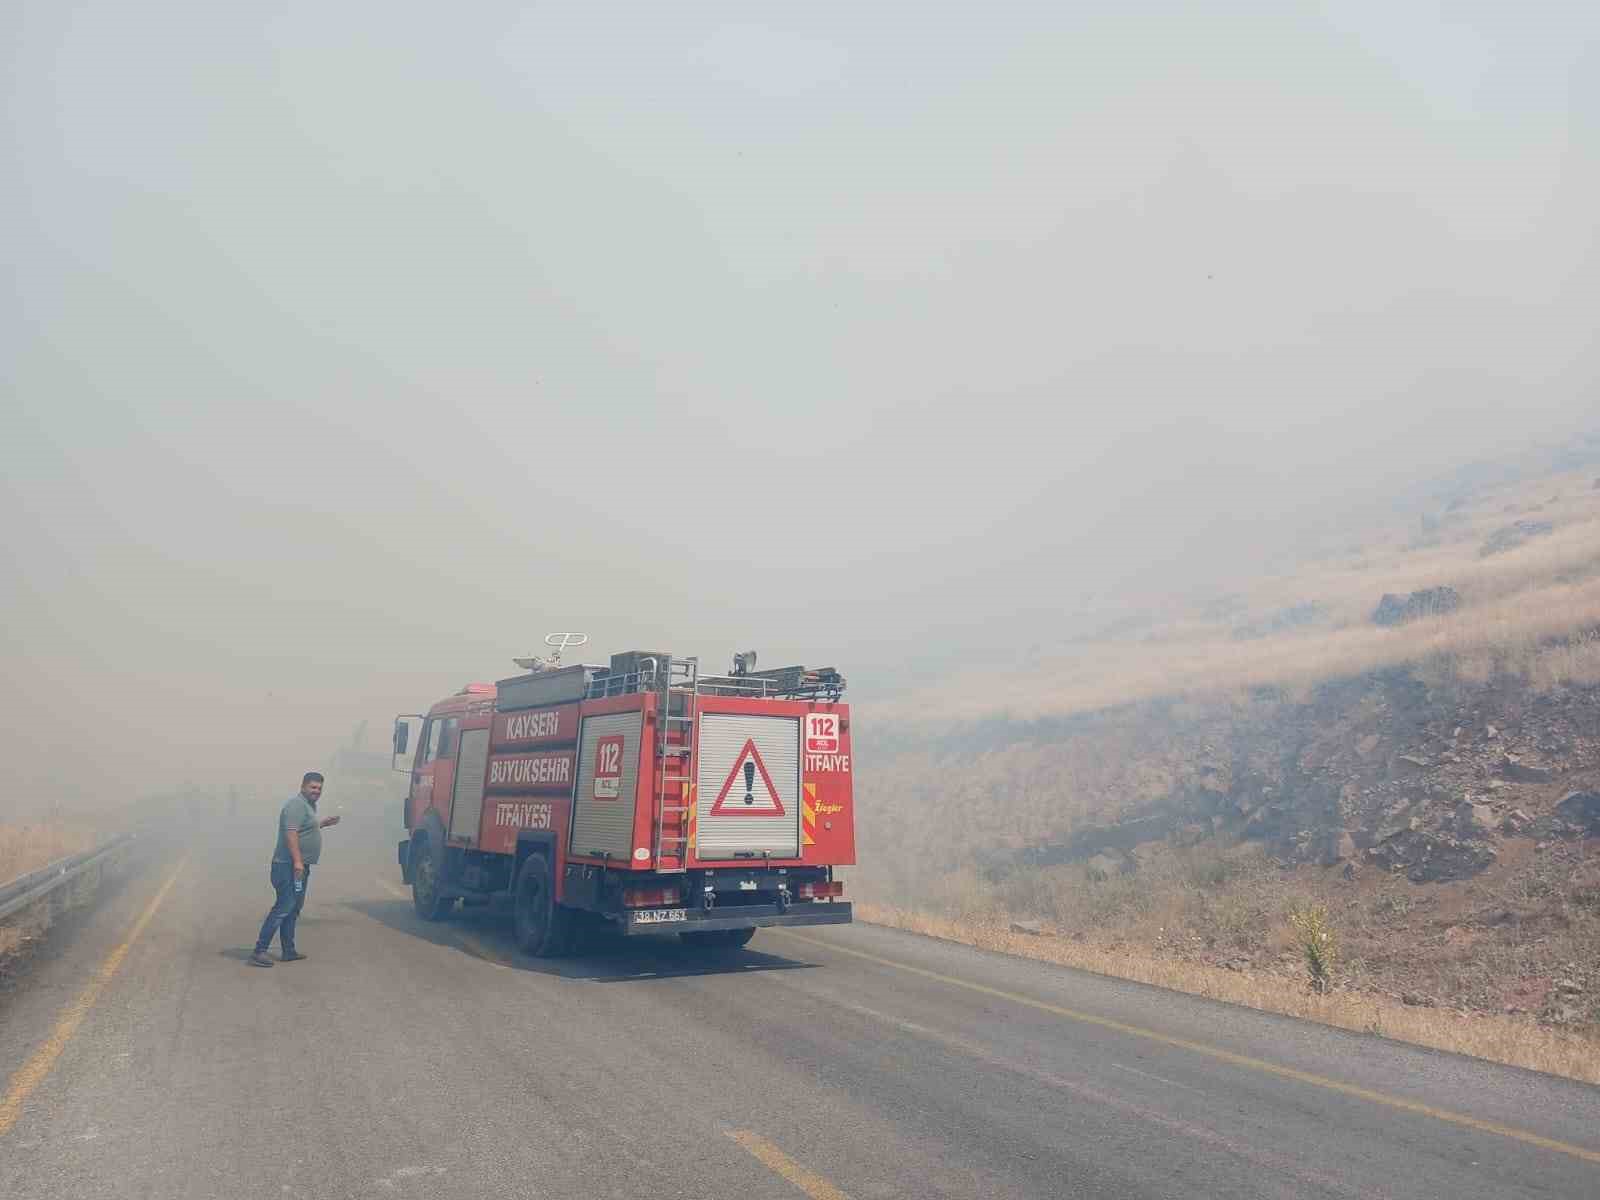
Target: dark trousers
[{"x": 285, "y": 909}]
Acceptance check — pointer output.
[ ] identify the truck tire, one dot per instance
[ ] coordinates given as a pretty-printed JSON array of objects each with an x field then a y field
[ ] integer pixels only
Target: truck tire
[
  {"x": 427, "y": 871},
  {"x": 543, "y": 928}
]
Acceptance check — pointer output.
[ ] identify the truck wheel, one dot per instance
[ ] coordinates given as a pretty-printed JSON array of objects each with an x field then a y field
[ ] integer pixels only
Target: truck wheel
[
  {"x": 427, "y": 867},
  {"x": 543, "y": 928}
]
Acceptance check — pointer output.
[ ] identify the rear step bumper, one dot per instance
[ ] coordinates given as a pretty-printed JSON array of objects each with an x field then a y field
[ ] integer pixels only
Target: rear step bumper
[{"x": 745, "y": 916}]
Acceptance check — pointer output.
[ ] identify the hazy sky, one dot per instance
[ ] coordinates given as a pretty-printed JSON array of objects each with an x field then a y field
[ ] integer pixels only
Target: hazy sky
[{"x": 350, "y": 348}]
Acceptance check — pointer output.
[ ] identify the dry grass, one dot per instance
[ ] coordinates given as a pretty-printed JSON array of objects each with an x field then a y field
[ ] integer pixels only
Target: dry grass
[
  {"x": 1248, "y": 673},
  {"x": 1544, "y": 636},
  {"x": 1524, "y": 613},
  {"x": 17, "y": 932},
  {"x": 25, "y": 848},
  {"x": 1516, "y": 1042}
]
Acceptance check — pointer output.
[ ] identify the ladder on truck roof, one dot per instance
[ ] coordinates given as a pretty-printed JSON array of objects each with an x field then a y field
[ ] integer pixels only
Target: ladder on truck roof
[{"x": 675, "y": 679}]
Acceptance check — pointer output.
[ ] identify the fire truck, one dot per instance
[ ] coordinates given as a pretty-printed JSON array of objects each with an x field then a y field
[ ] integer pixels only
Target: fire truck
[{"x": 640, "y": 795}]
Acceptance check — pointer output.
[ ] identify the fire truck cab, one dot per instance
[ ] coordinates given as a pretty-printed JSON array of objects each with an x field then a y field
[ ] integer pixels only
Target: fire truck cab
[{"x": 641, "y": 795}]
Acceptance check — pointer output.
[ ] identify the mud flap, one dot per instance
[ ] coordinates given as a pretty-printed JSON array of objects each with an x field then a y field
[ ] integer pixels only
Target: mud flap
[{"x": 405, "y": 861}]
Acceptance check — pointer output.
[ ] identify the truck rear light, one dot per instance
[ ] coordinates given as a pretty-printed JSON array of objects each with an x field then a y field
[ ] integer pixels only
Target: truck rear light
[
  {"x": 822, "y": 891},
  {"x": 658, "y": 897}
]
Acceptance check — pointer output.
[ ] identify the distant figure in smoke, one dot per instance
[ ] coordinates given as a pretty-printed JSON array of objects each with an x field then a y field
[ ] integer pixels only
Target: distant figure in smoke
[{"x": 299, "y": 847}]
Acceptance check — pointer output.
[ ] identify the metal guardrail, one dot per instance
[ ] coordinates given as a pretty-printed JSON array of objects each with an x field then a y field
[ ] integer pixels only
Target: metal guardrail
[{"x": 29, "y": 889}]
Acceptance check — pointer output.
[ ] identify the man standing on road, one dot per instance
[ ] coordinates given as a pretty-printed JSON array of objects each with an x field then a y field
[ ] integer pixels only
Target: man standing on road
[{"x": 299, "y": 848}]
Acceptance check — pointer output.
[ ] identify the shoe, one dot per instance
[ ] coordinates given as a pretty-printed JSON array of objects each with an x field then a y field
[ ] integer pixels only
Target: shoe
[
  {"x": 291, "y": 956},
  {"x": 259, "y": 959}
]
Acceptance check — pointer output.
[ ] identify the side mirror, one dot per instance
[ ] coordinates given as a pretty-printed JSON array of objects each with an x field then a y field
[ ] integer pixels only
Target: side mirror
[{"x": 402, "y": 736}]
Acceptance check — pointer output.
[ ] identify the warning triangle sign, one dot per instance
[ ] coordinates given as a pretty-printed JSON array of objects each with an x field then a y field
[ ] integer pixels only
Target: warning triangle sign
[{"x": 748, "y": 790}]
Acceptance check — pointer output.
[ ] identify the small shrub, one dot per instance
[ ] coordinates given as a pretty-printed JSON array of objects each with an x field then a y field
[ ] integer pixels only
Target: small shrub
[
  {"x": 1530, "y": 888},
  {"x": 964, "y": 895},
  {"x": 1319, "y": 944},
  {"x": 1394, "y": 905},
  {"x": 1209, "y": 870},
  {"x": 1118, "y": 898},
  {"x": 1230, "y": 920}
]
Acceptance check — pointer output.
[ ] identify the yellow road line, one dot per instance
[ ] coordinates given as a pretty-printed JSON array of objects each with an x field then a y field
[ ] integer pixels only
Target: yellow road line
[
  {"x": 1268, "y": 1160},
  {"x": 779, "y": 1163},
  {"x": 398, "y": 893},
  {"x": 1238, "y": 1060},
  {"x": 33, "y": 1072}
]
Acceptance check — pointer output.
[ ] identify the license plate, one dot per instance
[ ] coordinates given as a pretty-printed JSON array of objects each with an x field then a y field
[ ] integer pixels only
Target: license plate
[{"x": 660, "y": 916}]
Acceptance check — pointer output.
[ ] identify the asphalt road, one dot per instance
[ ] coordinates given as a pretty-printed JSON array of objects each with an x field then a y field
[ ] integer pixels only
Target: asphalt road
[{"x": 406, "y": 1059}]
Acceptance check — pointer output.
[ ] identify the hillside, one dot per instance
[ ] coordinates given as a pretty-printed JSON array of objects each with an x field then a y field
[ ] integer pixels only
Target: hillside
[
  {"x": 1522, "y": 557},
  {"x": 1405, "y": 730}
]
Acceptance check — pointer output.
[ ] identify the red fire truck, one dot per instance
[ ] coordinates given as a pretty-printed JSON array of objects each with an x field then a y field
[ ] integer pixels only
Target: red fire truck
[{"x": 642, "y": 794}]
